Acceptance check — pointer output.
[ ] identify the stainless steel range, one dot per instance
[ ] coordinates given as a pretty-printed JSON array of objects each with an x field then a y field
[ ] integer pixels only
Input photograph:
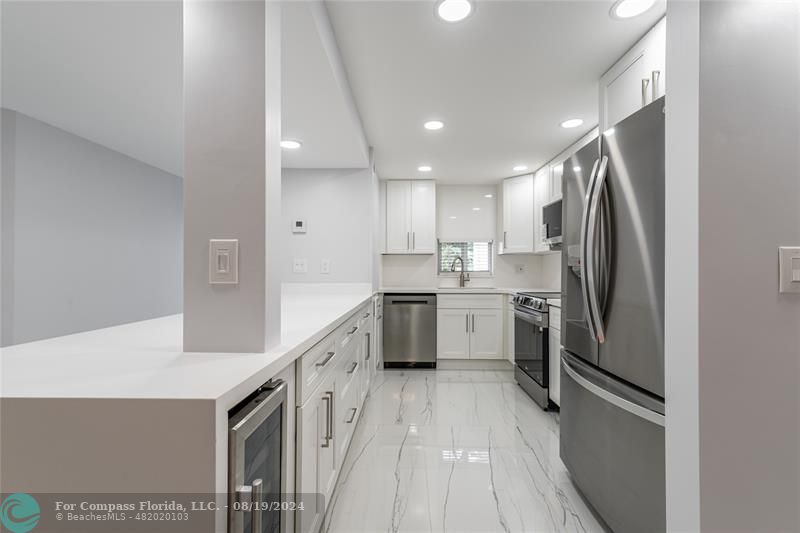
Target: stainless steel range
[{"x": 531, "y": 350}]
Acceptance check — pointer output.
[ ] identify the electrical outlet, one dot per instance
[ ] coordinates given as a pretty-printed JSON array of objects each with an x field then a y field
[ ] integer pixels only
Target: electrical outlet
[
  {"x": 325, "y": 266},
  {"x": 300, "y": 265}
]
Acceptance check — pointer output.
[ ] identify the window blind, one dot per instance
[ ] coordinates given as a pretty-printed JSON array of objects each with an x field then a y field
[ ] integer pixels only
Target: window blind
[{"x": 477, "y": 256}]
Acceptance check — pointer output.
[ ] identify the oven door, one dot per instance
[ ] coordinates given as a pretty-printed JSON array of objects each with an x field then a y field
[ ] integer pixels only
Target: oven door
[
  {"x": 530, "y": 345},
  {"x": 257, "y": 453}
]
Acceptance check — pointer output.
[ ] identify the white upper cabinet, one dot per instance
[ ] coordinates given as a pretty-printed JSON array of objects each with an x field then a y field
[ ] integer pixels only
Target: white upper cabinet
[
  {"x": 542, "y": 183},
  {"x": 518, "y": 215},
  {"x": 410, "y": 217},
  {"x": 398, "y": 217},
  {"x": 636, "y": 79},
  {"x": 423, "y": 217}
]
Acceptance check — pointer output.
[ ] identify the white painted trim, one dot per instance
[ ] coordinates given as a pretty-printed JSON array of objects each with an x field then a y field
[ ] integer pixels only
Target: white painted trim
[{"x": 682, "y": 266}]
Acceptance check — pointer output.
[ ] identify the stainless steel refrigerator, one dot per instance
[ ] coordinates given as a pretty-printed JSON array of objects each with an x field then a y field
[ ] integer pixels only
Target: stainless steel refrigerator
[{"x": 612, "y": 364}]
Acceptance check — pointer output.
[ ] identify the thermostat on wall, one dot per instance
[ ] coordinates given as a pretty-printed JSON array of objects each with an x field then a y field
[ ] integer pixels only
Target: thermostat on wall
[{"x": 299, "y": 226}]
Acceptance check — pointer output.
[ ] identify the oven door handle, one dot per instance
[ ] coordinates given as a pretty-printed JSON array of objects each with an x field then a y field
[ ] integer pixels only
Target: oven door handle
[{"x": 529, "y": 318}]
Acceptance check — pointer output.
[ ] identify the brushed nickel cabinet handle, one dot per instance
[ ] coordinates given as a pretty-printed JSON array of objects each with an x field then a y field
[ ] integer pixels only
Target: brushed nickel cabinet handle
[{"x": 327, "y": 359}]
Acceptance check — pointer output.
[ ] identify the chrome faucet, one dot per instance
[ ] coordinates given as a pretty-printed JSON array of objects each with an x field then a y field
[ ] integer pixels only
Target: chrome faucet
[{"x": 464, "y": 277}]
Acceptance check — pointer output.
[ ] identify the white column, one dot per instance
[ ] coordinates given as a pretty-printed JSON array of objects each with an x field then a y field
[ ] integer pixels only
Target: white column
[{"x": 232, "y": 171}]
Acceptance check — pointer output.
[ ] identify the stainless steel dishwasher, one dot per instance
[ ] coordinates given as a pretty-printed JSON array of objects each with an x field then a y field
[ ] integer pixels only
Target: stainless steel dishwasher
[{"x": 409, "y": 330}]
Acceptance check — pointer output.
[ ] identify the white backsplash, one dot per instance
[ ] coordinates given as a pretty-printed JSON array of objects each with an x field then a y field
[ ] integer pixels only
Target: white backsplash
[{"x": 420, "y": 271}]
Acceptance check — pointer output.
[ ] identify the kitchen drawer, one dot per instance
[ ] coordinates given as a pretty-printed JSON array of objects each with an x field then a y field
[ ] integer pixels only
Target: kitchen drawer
[
  {"x": 347, "y": 332},
  {"x": 348, "y": 393},
  {"x": 469, "y": 301},
  {"x": 555, "y": 317},
  {"x": 314, "y": 365},
  {"x": 365, "y": 316}
]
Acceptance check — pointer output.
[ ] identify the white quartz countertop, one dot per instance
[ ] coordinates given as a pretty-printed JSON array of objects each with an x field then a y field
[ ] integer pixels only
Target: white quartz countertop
[
  {"x": 555, "y": 302},
  {"x": 145, "y": 360},
  {"x": 465, "y": 290}
]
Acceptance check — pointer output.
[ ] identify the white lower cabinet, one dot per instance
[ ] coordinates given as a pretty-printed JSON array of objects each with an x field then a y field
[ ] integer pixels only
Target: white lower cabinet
[
  {"x": 469, "y": 333},
  {"x": 452, "y": 334},
  {"x": 330, "y": 399},
  {"x": 486, "y": 334},
  {"x": 316, "y": 454},
  {"x": 554, "y": 343}
]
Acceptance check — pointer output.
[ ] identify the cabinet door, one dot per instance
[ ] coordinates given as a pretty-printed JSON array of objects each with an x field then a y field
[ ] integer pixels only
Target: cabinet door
[
  {"x": 621, "y": 87},
  {"x": 541, "y": 196},
  {"x": 556, "y": 177},
  {"x": 624, "y": 93},
  {"x": 518, "y": 214},
  {"x": 509, "y": 327},
  {"x": 326, "y": 464},
  {"x": 452, "y": 333},
  {"x": 423, "y": 217},
  {"x": 486, "y": 334},
  {"x": 554, "y": 341},
  {"x": 398, "y": 217},
  {"x": 315, "y": 473},
  {"x": 309, "y": 439}
]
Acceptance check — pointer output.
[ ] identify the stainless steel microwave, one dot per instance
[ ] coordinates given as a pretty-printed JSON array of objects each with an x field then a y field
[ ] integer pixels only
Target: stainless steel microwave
[{"x": 551, "y": 224}]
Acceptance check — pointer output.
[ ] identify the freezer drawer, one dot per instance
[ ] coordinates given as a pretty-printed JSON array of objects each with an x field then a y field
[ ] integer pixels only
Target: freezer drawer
[{"x": 612, "y": 443}]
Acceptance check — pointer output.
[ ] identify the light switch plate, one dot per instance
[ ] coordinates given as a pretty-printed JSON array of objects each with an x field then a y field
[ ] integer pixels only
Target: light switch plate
[
  {"x": 223, "y": 261},
  {"x": 789, "y": 260}
]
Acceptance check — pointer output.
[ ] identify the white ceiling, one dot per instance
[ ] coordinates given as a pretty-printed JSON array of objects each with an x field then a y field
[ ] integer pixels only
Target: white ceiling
[
  {"x": 112, "y": 72},
  {"x": 317, "y": 105},
  {"x": 501, "y": 80}
]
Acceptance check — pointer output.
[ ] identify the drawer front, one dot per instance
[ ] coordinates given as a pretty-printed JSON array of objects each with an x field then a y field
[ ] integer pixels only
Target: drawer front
[
  {"x": 347, "y": 332},
  {"x": 555, "y": 318},
  {"x": 469, "y": 301},
  {"x": 314, "y": 365}
]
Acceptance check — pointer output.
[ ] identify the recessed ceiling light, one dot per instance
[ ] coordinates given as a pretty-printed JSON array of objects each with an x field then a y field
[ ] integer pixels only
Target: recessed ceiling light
[
  {"x": 453, "y": 217},
  {"x": 572, "y": 123},
  {"x": 424, "y": 168},
  {"x": 290, "y": 144},
  {"x": 520, "y": 168},
  {"x": 487, "y": 196},
  {"x": 476, "y": 208},
  {"x": 454, "y": 10},
  {"x": 576, "y": 168},
  {"x": 434, "y": 125},
  {"x": 625, "y": 9}
]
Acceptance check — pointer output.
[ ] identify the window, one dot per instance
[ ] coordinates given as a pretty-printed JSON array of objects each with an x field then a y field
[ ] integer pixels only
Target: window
[{"x": 477, "y": 256}]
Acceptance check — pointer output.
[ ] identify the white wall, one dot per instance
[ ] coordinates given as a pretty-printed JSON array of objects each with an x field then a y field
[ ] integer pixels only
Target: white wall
[
  {"x": 338, "y": 206},
  {"x": 459, "y": 201},
  {"x": 91, "y": 237}
]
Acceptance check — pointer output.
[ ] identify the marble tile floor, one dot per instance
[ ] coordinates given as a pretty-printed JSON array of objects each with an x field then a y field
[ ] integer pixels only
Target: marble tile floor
[{"x": 455, "y": 450}]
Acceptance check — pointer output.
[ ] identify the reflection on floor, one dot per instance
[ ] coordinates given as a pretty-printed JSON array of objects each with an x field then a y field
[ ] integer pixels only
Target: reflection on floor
[{"x": 455, "y": 450}]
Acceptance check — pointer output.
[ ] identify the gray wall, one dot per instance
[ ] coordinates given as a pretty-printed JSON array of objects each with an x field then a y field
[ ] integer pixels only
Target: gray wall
[
  {"x": 749, "y": 204},
  {"x": 91, "y": 238},
  {"x": 337, "y": 205}
]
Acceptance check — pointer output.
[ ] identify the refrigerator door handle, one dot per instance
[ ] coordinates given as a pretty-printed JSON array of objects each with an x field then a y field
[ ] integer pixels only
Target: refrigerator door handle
[
  {"x": 591, "y": 251},
  {"x": 622, "y": 403},
  {"x": 584, "y": 255}
]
